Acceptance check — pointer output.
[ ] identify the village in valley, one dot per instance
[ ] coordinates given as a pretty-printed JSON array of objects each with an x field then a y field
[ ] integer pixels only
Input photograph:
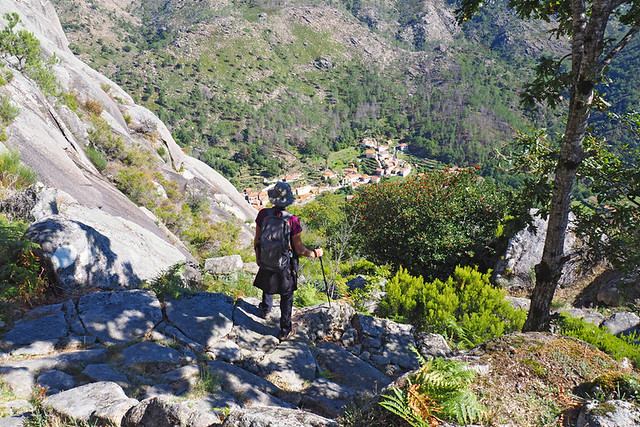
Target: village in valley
[{"x": 386, "y": 159}]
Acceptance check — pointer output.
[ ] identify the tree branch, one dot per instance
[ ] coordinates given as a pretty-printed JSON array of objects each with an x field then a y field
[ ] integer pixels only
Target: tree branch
[{"x": 618, "y": 47}]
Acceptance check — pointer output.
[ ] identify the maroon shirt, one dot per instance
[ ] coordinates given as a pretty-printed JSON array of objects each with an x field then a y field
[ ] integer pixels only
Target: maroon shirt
[{"x": 294, "y": 223}]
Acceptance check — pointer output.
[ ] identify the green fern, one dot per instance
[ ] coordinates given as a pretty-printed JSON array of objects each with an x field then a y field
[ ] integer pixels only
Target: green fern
[
  {"x": 396, "y": 403},
  {"x": 443, "y": 382},
  {"x": 458, "y": 334},
  {"x": 464, "y": 407}
]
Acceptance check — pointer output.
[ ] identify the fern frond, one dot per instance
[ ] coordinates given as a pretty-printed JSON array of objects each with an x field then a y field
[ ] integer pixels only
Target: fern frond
[
  {"x": 421, "y": 403},
  {"x": 466, "y": 338},
  {"x": 437, "y": 383},
  {"x": 398, "y": 405},
  {"x": 421, "y": 359},
  {"x": 464, "y": 407}
]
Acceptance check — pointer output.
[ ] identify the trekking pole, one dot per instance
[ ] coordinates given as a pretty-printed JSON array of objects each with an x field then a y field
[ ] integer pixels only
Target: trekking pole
[{"x": 326, "y": 285}]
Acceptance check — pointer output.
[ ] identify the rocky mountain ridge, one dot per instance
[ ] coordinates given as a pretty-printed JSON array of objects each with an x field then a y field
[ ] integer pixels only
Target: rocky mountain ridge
[{"x": 52, "y": 139}]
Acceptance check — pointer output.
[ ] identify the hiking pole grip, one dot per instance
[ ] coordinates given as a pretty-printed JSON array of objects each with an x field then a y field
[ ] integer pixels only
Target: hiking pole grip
[{"x": 326, "y": 285}]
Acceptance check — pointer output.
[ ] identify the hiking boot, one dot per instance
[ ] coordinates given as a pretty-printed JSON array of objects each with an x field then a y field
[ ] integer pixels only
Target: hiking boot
[
  {"x": 263, "y": 314},
  {"x": 282, "y": 336}
]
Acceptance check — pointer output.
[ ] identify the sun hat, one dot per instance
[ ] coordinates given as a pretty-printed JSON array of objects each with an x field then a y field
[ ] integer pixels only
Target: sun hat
[{"x": 281, "y": 195}]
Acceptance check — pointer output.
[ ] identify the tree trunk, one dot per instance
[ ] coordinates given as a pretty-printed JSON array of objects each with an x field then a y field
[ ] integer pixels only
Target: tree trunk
[
  {"x": 586, "y": 50},
  {"x": 549, "y": 270}
]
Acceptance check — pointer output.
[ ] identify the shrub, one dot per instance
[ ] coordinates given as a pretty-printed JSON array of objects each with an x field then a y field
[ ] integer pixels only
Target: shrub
[
  {"x": 439, "y": 390},
  {"x": 613, "y": 385},
  {"x": 235, "y": 285},
  {"x": 137, "y": 185},
  {"x": 8, "y": 111},
  {"x": 24, "y": 47},
  {"x": 431, "y": 223},
  {"x": 14, "y": 174},
  {"x": 94, "y": 107},
  {"x": 101, "y": 136},
  {"x": 96, "y": 157},
  {"x": 308, "y": 295},
  {"x": 21, "y": 276},
  {"x": 70, "y": 101},
  {"x": 169, "y": 283},
  {"x": 365, "y": 268},
  {"x": 616, "y": 347},
  {"x": 466, "y": 306}
]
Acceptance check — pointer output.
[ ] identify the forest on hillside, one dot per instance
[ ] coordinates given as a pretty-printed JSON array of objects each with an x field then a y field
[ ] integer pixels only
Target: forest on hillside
[{"x": 247, "y": 102}]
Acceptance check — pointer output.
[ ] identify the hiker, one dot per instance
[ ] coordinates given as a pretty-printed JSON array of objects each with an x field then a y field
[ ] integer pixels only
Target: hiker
[{"x": 278, "y": 263}]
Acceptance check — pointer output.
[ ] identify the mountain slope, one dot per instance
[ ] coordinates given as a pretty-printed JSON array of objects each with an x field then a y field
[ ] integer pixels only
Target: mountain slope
[
  {"x": 243, "y": 83},
  {"x": 55, "y": 133}
]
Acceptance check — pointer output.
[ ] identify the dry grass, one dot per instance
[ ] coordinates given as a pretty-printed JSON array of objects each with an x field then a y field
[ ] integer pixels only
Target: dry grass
[{"x": 533, "y": 378}]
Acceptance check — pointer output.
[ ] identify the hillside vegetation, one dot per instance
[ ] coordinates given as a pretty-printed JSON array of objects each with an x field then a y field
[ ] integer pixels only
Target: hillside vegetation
[{"x": 246, "y": 85}]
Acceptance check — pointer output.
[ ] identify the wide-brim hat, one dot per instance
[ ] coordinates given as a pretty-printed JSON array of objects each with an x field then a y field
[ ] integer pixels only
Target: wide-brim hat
[{"x": 281, "y": 195}]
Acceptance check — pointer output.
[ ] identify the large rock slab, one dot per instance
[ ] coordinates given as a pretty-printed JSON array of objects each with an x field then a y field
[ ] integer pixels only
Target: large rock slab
[
  {"x": 350, "y": 370},
  {"x": 219, "y": 402},
  {"x": 524, "y": 252},
  {"x": 162, "y": 412},
  {"x": 252, "y": 332},
  {"x": 90, "y": 248},
  {"x": 14, "y": 421},
  {"x": 327, "y": 398},
  {"x": 102, "y": 401},
  {"x": 275, "y": 417},
  {"x": 104, "y": 372},
  {"x": 393, "y": 341},
  {"x": 324, "y": 320},
  {"x": 223, "y": 265},
  {"x": 291, "y": 366},
  {"x": 149, "y": 355},
  {"x": 432, "y": 345},
  {"x": 120, "y": 316},
  {"x": 623, "y": 323},
  {"x": 39, "y": 331},
  {"x": 613, "y": 413},
  {"x": 203, "y": 317},
  {"x": 54, "y": 381},
  {"x": 20, "y": 376},
  {"x": 249, "y": 389}
]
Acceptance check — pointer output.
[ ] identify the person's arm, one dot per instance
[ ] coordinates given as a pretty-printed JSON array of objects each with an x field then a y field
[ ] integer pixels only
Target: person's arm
[
  {"x": 302, "y": 250},
  {"x": 256, "y": 245}
]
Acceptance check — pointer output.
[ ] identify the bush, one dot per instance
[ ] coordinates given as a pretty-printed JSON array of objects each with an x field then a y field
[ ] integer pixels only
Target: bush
[
  {"x": 613, "y": 385},
  {"x": 8, "y": 111},
  {"x": 21, "y": 276},
  {"x": 25, "y": 48},
  {"x": 466, "y": 307},
  {"x": 96, "y": 157},
  {"x": 102, "y": 137},
  {"x": 137, "y": 185},
  {"x": 429, "y": 224},
  {"x": 169, "y": 283},
  {"x": 308, "y": 295},
  {"x": 365, "y": 268},
  {"x": 94, "y": 107},
  {"x": 14, "y": 174}
]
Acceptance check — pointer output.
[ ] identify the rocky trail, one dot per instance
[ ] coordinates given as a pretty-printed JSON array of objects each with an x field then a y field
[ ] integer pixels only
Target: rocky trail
[{"x": 126, "y": 358}]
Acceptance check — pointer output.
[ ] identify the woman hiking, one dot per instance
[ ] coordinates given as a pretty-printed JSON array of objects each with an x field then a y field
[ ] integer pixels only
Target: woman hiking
[{"x": 278, "y": 244}]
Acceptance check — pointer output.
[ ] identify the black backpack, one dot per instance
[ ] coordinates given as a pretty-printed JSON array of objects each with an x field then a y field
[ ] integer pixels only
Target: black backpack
[{"x": 275, "y": 241}]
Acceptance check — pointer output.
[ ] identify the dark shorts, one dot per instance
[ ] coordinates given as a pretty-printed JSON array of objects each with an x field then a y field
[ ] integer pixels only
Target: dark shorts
[{"x": 275, "y": 282}]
